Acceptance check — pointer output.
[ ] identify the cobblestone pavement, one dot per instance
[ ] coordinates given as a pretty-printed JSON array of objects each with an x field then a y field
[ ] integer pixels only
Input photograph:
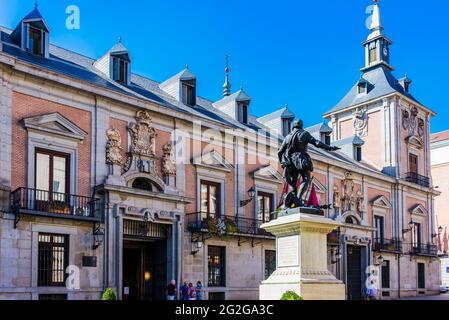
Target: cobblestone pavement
[{"x": 444, "y": 296}]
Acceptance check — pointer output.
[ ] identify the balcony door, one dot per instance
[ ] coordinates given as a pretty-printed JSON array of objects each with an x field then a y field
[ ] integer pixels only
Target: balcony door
[
  {"x": 416, "y": 236},
  {"x": 210, "y": 199},
  {"x": 265, "y": 206},
  {"x": 52, "y": 177},
  {"x": 413, "y": 163},
  {"x": 380, "y": 233}
]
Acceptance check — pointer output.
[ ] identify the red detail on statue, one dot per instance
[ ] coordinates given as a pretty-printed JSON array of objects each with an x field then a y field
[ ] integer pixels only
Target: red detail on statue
[{"x": 313, "y": 199}]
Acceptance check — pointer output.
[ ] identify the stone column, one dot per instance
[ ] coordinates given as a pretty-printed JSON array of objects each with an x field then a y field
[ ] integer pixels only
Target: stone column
[{"x": 301, "y": 245}]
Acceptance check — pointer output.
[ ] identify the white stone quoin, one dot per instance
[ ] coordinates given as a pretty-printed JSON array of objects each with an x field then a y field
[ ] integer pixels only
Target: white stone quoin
[{"x": 301, "y": 258}]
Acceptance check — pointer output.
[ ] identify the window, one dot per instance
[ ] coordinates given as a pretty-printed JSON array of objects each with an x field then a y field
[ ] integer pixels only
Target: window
[
  {"x": 120, "y": 70},
  {"x": 286, "y": 127},
  {"x": 52, "y": 175},
  {"x": 270, "y": 263},
  {"x": 358, "y": 153},
  {"x": 53, "y": 259},
  {"x": 372, "y": 54},
  {"x": 386, "y": 274},
  {"x": 242, "y": 115},
  {"x": 35, "y": 41},
  {"x": 379, "y": 224},
  {"x": 216, "y": 266},
  {"x": 188, "y": 93},
  {"x": 142, "y": 184},
  {"x": 416, "y": 235},
  {"x": 413, "y": 163},
  {"x": 327, "y": 139},
  {"x": 362, "y": 88},
  {"x": 210, "y": 199},
  {"x": 421, "y": 276},
  {"x": 265, "y": 206}
]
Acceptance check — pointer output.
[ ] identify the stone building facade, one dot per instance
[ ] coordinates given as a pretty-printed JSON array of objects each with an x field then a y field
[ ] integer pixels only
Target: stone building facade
[
  {"x": 110, "y": 179},
  {"x": 439, "y": 146}
]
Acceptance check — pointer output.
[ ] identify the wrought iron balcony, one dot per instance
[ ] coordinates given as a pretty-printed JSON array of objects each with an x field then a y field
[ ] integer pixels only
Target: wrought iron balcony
[
  {"x": 430, "y": 250},
  {"x": 387, "y": 245},
  {"x": 225, "y": 225},
  {"x": 26, "y": 201},
  {"x": 418, "y": 179}
]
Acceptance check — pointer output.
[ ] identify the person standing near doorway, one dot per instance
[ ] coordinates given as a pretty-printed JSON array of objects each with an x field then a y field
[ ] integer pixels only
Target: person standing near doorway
[
  {"x": 199, "y": 291},
  {"x": 192, "y": 292},
  {"x": 184, "y": 291},
  {"x": 171, "y": 290}
]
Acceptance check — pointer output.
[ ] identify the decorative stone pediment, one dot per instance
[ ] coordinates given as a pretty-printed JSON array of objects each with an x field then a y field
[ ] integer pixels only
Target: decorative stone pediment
[
  {"x": 268, "y": 173},
  {"x": 419, "y": 209},
  {"x": 381, "y": 202},
  {"x": 55, "y": 124},
  {"x": 415, "y": 141},
  {"x": 213, "y": 160}
]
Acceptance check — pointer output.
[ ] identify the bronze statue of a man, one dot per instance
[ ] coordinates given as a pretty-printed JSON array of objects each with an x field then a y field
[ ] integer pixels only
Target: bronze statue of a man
[{"x": 296, "y": 162}]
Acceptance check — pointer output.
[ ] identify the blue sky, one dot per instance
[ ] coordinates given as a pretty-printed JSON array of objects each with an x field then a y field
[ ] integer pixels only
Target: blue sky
[{"x": 306, "y": 54}]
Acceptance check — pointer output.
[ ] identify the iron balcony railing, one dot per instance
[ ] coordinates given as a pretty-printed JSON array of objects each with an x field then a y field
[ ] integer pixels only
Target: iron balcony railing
[
  {"x": 418, "y": 179},
  {"x": 225, "y": 225},
  {"x": 54, "y": 204},
  {"x": 421, "y": 249},
  {"x": 387, "y": 245}
]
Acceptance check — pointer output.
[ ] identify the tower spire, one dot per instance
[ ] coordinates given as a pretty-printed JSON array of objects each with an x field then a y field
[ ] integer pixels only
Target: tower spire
[
  {"x": 227, "y": 84},
  {"x": 376, "y": 27}
]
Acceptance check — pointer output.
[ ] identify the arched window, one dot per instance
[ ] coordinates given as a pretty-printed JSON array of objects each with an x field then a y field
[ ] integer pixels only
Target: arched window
[
  {"x": 350, "y": 220},
  {"x": 142, "y": 184}
]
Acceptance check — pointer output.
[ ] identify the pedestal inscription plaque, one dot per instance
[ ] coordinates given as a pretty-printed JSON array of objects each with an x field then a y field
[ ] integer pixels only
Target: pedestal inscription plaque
[{"x": 288, "y": 251}]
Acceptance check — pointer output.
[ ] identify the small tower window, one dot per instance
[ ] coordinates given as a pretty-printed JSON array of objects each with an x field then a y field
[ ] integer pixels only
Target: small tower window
[
  {"x": 189, "y": 93},
  {"x": 362, "y": 88},
  {"x": 286, "y": 127},
  {"x": 372, "y": 52},
  {"x": 242, "y": 115},
  {"x": 120, "y": 70}
]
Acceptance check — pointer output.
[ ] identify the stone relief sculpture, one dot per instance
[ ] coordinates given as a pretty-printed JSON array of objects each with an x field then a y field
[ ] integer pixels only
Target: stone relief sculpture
[
  {"x": 360, "y": 202},
  {"x": 361, "y": 122},
  {"x": 336, "y": 196},
  {"x": 113, "y": 147},
  {"x": 405, "y": 119},
  {"x": 421, "y": 127},
  {"x": 143, "y": 135},
  {"x": 410, "y": 121},
  {"x": 168, "y": 163},
  {"x": 348, "y": 193}
]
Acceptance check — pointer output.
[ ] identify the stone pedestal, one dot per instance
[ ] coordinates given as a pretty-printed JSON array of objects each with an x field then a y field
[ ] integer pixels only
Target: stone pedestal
[{"x": 301, "y": 258}]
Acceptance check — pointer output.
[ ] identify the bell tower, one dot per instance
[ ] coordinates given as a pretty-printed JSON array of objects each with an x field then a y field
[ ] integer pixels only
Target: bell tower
[{"x": 377, "y": 46}]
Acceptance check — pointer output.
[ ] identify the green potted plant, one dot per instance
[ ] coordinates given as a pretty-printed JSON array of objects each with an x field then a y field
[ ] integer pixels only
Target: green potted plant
[
  {"x": 108, "y": 294},
  {"x": 291, "y": 295}
]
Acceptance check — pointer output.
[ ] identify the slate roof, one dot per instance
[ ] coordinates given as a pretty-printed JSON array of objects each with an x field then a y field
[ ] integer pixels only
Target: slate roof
[
  {"x": 355, "y": 140},
  {"x": 320, "y": 127},
  {"x": 381, "y": 83},
  {"x": 283, "y": 113}
]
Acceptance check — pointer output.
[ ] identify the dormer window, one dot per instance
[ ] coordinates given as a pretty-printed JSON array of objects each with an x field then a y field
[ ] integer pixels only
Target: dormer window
[
  {"x": 189, "y": 93},
  {"x": 326, "y": 138},
  {"x": 36, "y": 41},
  {"x": 242, "y": 115},
  {"x": 286, "y": 126},
  {"x": 120, "y": 70},
  {"x": 358, "y": 153},
  {"x": 362, "y": 86}
]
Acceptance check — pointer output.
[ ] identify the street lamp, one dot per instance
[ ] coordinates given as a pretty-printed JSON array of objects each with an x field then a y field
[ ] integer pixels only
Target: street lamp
[
  {"x": 380, "y": 260},
  {"x": 251, "y": 195},
  {"x": 411, "y": 225},
  {"x": 440, "y": 231}
]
